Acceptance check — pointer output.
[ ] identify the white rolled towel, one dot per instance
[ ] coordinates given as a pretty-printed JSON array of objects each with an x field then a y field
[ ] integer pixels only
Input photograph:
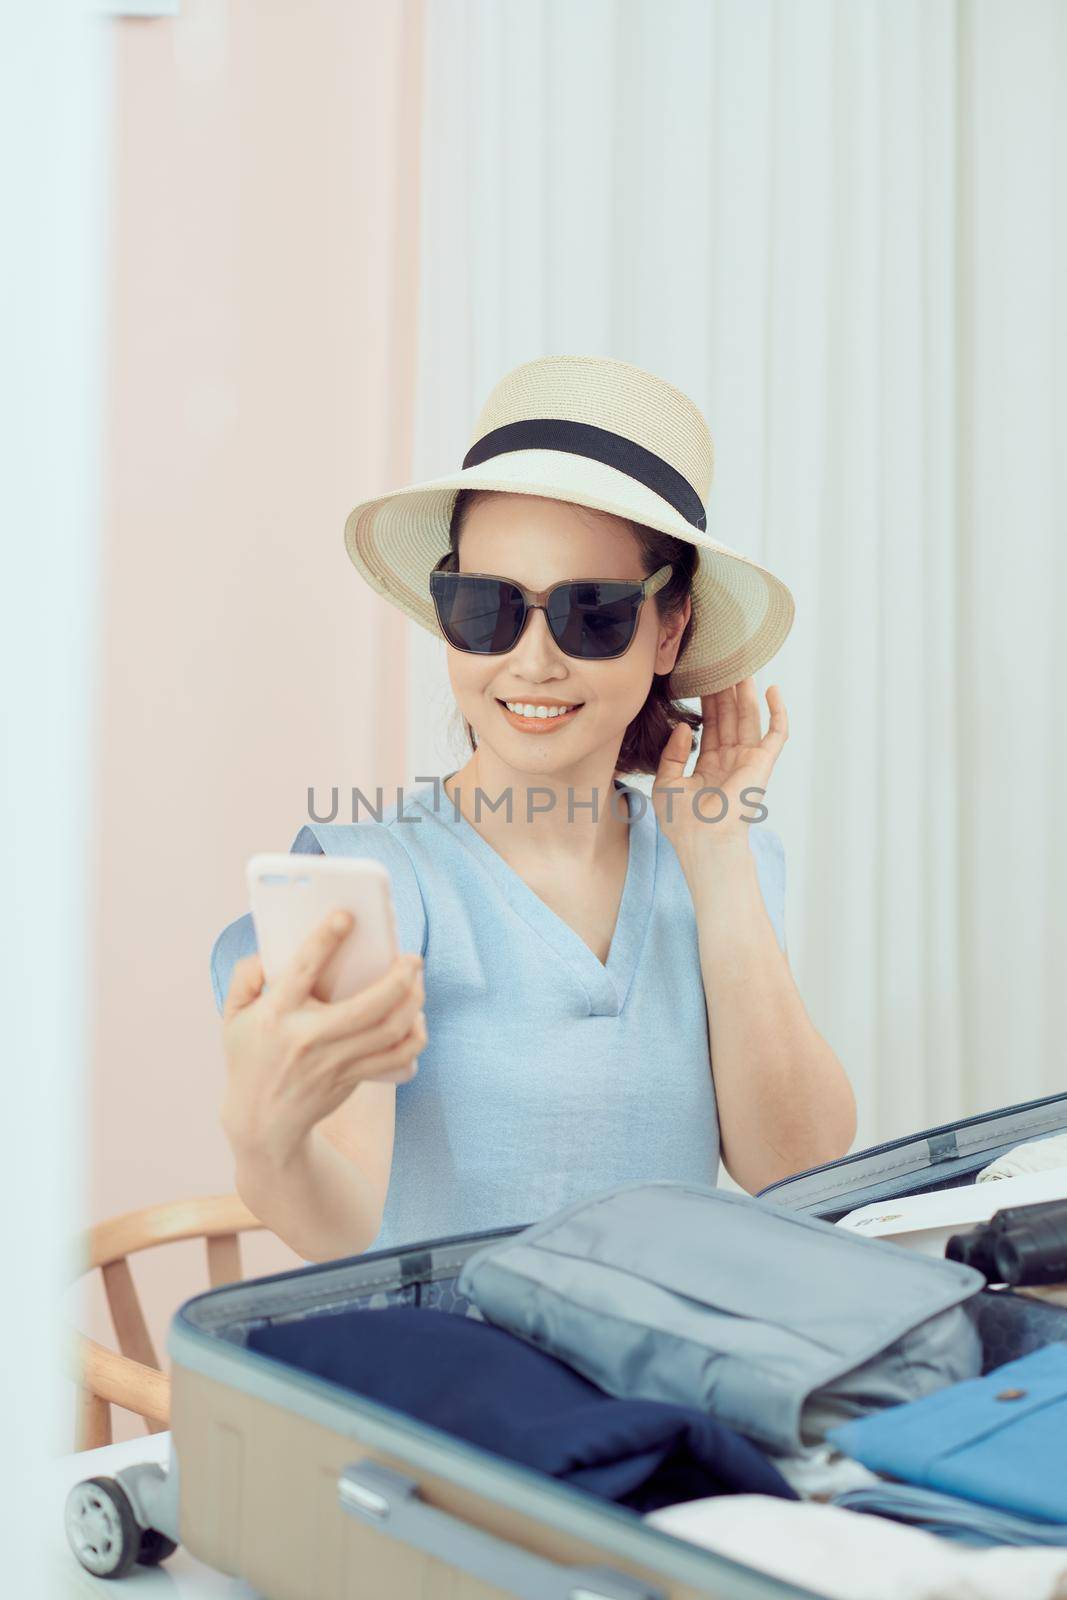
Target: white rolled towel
[
  {"x": 1039, "y": 1156},
  {"x": 850, "y": 1555}
]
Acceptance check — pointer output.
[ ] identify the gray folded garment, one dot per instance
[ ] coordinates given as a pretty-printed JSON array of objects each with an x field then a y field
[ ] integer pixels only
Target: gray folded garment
[{"x": 776, "y": 1323}]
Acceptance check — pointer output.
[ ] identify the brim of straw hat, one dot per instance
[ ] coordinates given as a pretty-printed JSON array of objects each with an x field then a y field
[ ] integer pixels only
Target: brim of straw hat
[{"x": 741, "y": 611}]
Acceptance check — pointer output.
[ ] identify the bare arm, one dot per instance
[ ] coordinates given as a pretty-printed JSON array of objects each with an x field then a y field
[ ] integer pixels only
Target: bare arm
[
  {"x": 318, "y": 1200},
  {"x": 784, "y": 1100}
]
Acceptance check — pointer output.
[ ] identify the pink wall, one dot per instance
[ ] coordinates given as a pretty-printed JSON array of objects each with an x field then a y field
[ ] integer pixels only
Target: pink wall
[{"x": 261, "y": 357}]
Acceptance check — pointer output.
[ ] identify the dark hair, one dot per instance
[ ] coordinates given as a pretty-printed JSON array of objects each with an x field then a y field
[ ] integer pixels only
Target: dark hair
[{"x": 643, "y": 741}]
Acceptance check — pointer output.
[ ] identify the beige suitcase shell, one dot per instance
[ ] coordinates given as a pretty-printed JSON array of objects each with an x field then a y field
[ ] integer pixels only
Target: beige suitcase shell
[{"x": 309, "y": 1492}]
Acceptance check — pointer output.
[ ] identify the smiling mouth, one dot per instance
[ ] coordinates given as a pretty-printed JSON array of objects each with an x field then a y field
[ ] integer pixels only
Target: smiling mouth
[{"x": 540, "y": 722}]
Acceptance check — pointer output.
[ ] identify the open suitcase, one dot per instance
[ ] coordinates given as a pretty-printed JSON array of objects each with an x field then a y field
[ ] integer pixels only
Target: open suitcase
[{"x": 309, "y": 1492}]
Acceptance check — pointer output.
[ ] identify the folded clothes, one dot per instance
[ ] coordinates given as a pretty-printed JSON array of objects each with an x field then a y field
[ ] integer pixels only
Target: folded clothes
[
  {"x": 822, "y": 1473},
  {"x": 950, "y": 1516},
  {"x": 775, "y": 1323},
  {"x": 1037, "y": 1156},
  {"x": 481, "y": 1384},
  {"x": 1000, "y": 1440},
  {"x": 849, "y": 1556}
]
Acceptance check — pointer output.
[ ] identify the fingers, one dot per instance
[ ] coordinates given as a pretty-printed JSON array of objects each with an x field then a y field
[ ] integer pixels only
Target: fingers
[
  {"x": 374, "y": 1005},
  {"x": 778, "y": 732},
  {"x": 732, "y": 716},
  {"x": 709, "y": 711},
  {"x": 298, "y": 979},
  {"x": 749, "y": 718},
  {"x": 392, "y": 1037},
  {"x": 246, "y": 982},
  {"x": 726, "y": 706},
  {"x": 402, "y": 1060},
  {"x": 675, "y": 754},
  {"x": 385, "y": 1053},
  {"x": 732, "y": 721}
]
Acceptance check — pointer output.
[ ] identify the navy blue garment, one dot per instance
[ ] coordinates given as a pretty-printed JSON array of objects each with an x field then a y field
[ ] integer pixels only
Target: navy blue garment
[{"x": 483, "y": 1384}]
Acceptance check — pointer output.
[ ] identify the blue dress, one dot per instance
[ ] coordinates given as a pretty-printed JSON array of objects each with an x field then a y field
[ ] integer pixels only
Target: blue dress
[{"x": 547, "y": 1074}]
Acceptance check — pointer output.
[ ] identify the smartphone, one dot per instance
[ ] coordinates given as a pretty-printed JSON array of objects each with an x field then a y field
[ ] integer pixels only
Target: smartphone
[{"x": 291, "y": 894}]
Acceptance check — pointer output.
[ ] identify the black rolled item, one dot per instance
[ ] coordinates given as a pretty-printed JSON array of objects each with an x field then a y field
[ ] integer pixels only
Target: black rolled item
[
  {"x": 1034, "y": 1252},
  {"x": 1011, "y": 1216},
  {"x": 1019, "y": 1246},
  {"x": 974, "y": 1249}
]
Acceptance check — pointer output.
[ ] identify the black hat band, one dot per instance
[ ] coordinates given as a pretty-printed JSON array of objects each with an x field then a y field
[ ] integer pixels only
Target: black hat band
[{"x": 599, "y": 444}]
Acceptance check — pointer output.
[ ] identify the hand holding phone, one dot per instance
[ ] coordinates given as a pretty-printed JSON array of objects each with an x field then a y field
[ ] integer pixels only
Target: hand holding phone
[
  {"x": 291, "y": 894},
  {"x": 342, "y": 1007}
]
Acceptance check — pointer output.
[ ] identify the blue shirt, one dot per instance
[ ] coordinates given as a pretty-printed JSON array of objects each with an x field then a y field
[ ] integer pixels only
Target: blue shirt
[{"x": 547, "y": 1074}]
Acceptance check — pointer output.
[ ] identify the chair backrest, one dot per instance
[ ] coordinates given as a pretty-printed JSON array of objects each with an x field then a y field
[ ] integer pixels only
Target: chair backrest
[{"x": 134, "y": 1378}]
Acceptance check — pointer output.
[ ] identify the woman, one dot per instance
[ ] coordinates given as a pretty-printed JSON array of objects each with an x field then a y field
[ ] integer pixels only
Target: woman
[{"x": 587, "y": 957}]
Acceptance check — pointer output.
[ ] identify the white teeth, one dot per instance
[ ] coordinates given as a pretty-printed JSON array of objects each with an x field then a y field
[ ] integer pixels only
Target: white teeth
[{"x": 524, "y": 710}]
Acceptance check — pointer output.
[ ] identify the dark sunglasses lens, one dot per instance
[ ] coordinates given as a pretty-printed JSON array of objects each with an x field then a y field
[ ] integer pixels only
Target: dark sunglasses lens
[
  {"x": 477, "y": 614},
  {"x": 594, "y": 620}
]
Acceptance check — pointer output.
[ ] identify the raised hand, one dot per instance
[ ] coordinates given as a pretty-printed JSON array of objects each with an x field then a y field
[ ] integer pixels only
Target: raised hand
[{"x": 733, "y": 757}]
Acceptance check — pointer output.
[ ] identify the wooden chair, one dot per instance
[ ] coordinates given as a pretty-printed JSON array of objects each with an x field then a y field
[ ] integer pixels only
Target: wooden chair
[{"x": 134, "y": 1379}]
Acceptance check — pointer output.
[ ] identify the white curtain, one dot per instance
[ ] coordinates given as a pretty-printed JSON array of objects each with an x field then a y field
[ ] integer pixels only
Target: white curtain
[{"x": 842, "y": 228}]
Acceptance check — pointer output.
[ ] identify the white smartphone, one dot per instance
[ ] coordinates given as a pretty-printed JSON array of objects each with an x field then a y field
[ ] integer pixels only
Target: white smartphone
[{"x": 291, "y": 894}]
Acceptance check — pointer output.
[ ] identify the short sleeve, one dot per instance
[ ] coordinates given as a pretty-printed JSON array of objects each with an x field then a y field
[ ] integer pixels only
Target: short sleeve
[
  {"x": 769, "y": 852},
  {"x": 238, "y": 938}
]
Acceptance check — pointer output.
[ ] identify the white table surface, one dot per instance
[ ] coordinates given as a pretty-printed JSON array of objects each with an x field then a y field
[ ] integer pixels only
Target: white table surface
[{"x": 181, "y": 1576}]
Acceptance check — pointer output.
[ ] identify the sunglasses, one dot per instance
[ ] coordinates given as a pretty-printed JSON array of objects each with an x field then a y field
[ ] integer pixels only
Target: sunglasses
[{"x": 593, "y": 620}]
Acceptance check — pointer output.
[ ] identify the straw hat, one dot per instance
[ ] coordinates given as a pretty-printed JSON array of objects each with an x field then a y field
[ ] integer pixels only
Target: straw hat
[{"x": 599, "y": 433}]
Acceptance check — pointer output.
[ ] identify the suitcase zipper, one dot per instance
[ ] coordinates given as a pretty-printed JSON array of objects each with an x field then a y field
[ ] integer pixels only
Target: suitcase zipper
[{"x": 940, "y": 1131}]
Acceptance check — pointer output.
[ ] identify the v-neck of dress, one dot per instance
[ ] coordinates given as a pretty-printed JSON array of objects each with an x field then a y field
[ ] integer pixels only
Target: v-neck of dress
[{"x": 606, "y": 983}]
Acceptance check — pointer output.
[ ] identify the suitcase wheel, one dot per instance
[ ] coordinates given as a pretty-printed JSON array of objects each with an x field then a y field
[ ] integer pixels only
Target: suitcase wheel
[{"x": 104, "y": 1534}]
